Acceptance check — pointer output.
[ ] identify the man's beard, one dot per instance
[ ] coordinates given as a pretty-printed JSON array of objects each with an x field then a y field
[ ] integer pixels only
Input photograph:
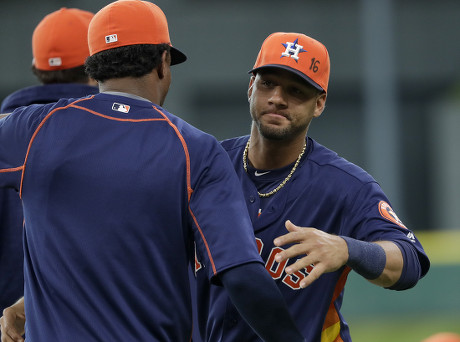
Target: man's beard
[{"x": 278, "y": 133}]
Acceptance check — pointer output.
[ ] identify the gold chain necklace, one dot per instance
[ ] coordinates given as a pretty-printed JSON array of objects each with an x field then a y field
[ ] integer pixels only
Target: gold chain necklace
[{"x": 283, "y": 183}]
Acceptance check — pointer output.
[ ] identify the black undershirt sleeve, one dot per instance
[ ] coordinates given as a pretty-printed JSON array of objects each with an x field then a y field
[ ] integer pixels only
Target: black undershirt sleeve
[
  {"x": 412, "y": 270},
  {"x": 260, "y": 302}
]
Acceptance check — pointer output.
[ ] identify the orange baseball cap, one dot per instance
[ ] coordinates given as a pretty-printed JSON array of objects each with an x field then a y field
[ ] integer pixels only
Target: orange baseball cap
[
  {"x": 130, "y": 22},
  {"x": 298, "y": 53},
  {"x": 443, "y": 337},
  {"x": 60, "y": 40}
]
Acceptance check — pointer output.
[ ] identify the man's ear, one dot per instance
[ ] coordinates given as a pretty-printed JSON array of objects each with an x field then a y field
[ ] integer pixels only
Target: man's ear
[
  {"x": 251, "y": 84},
  {"x": 165, "y": 63},
  {"x": 320, "y": 104}
]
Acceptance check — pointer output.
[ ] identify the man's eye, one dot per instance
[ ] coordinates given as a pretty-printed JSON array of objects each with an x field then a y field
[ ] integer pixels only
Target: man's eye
[{"x": 296, "y": 91}]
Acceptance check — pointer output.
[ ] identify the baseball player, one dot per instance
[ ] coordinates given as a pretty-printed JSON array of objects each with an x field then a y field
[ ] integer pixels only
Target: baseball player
[
  {"x": 336, "y": 215},
  {"x": 60, "y": 47},
  {"x": 116, "y": 193}
]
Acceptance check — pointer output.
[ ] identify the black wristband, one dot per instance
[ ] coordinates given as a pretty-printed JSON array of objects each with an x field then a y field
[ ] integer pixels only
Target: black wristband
[{"x": 365, "y": 258}]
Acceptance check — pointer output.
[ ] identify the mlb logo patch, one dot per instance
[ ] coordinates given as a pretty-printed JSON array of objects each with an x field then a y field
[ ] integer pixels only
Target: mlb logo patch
[
  {"x": 56, "y": 61},
  {"x": 111, "y": 38},
  {"x": 120, "y": 107}
]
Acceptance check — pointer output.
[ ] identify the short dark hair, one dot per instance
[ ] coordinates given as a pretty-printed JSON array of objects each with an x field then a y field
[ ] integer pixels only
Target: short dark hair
[
  {"x": 125, "y": 61},
  {"x": 72, "y": 75}
]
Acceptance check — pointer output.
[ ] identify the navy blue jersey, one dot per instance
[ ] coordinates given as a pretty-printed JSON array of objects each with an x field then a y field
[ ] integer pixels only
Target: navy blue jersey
[
  {"x": 45, "y": 93},
  {"x": 325, "y": 192},
  {"x": 115, "y": 191},
  {"x": 11, "y": 218},
  {"x": 11, "y": 256}
]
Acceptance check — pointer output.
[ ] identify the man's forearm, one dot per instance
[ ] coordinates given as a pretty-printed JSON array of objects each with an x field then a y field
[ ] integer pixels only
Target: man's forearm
[{"x": 393, "y": 267}]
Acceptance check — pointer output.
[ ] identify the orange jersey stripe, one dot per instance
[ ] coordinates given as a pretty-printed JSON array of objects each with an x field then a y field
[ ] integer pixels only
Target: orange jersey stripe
[
  {"x": 13, "y": 169},
  {"x": 331, "y": 326},
  {"x": 116, "y": 119},
  {"x": 187, "y": 156},
  {"x": 190, "y": 190},
  {"x": 204, "y": 240}
]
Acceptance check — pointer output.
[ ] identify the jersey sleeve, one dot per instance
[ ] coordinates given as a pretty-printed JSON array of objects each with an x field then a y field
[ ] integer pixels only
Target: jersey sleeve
[
  {"x": 223, "y": 231},
  {"x": 371, "y": 218},
  {"x": 16, "y": 132}
]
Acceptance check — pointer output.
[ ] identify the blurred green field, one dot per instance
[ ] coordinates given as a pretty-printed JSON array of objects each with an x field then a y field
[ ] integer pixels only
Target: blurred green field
[
  {"x": 378, "y": 315},
  {"x": 404, "y": 328}
]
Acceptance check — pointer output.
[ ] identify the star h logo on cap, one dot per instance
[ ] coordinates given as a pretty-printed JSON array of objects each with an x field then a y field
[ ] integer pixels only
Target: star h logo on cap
[{"x": 293, "y": 50}]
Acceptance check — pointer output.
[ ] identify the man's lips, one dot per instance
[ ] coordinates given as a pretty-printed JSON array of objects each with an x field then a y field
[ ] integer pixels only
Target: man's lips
[{"x": 275, "y": 115}]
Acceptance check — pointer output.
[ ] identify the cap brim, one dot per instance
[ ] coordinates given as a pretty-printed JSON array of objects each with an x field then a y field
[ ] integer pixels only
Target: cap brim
[
  {"x": 177, "y": 57},
  {"x": 288, "y": 68}
]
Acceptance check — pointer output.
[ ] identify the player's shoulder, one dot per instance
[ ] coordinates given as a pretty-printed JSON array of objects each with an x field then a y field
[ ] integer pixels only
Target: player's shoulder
[
  {"x": 19, "y": 98},
  {"x": 37, "y": 112},
  {"x": 233, "y": 145},
  {"x": 189, "y": 132},
  {"x": 200, "y": 145},
  {"x": 44, "y": 94},
  {"x": 331, "y": 163},
  {"x": 26, "y": 120}
]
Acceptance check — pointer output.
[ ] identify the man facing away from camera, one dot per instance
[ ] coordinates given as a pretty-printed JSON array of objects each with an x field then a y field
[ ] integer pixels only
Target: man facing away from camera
[{"x": 117, "y": 192}]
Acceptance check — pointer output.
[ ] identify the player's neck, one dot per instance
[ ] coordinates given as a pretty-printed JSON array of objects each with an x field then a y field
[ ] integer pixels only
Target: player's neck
[
  {"x": 145, "y": 87},
  {"x": 264, "y": 154}
]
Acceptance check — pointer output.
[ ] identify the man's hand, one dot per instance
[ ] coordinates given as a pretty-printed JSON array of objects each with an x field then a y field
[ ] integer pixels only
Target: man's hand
[
  {"x": 12, "y": 322},
  {"x": 325, "y": 251}
]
